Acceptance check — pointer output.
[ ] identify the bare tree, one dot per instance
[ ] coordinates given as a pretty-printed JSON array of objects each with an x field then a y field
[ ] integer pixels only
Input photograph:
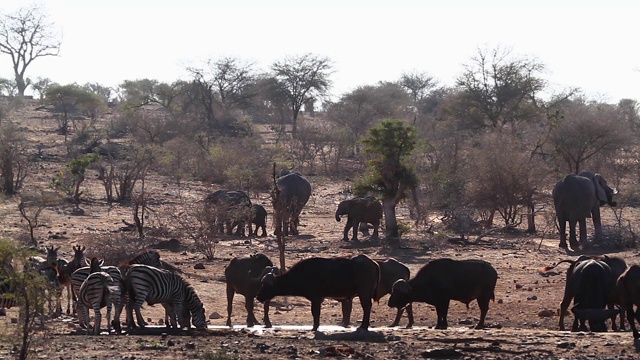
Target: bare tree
[
  {"x": 301, "y": 78},
  {"x": 25, "y": 36},
  {"x": 498, "y": 89},
  {"x": 419, "y": 85},
  {"x": 585, "y": 130},
  {"x": 13, "y": 161}
]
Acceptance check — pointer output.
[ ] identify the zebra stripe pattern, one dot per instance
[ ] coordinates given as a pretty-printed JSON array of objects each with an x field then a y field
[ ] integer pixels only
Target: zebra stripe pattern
[
  {"x": 96, "y": 292},
  {"x": 153, "y": 285},
  {"x": 77, "y": 279},
  {"x": 8, "y": 297}
]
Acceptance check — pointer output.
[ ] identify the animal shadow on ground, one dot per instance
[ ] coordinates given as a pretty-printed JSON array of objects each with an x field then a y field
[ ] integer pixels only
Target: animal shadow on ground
[{"x": 357, "y": 335}]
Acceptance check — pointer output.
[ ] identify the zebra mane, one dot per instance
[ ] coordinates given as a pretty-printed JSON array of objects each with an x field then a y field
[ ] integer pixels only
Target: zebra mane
[{"x": 144, "y": 254}]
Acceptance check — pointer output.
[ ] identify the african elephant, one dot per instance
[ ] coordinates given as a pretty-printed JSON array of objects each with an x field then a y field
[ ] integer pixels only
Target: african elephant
[
  {"x": 232, "y": 208},
  {"x": 258, "y": 217},
  {"x": 291, "y": 193},
  {"x": 577, "y": 197},
  {"x": 365, "y": 210}
]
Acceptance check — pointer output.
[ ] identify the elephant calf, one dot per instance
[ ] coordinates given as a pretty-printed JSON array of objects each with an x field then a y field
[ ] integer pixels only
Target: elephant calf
[{"x": 360, "y": 210}]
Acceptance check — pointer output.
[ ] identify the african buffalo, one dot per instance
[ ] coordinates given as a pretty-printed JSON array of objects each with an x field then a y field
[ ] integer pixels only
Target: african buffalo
[
  {"x": 617, "y": 266},
  {"x": 317, "y": 278},
  {"x": 443, "y": 280}
]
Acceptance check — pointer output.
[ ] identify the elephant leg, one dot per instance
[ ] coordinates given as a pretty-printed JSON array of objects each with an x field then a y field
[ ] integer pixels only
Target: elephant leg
[
  {"x": 375, "y": 230},
  {"x": 356, "y": 226},
  {"x": 563, "y": 232},
  {"x": 597, "y": 223},
  {"x": 572, "y": 235},
  {"x": 582, "y": 223},
  {"x": 347, "y": 227}
]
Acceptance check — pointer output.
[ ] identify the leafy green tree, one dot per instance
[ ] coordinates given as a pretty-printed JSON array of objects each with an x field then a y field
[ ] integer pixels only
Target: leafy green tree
[
  {"x": 301, "y": 78},
  {"x": 41, "y": 85},
  {"x": 360, "y": 109},
  {"x": 72, "y": 175},
  {"x": 32, "y": 293},
  {"x": 72, "y": 99},
  {"x": 25, "y": 36},
  {"x": 389, "y": 143}
]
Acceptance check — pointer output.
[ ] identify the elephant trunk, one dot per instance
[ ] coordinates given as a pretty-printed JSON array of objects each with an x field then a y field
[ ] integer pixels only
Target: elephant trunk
[{"x": 338, "y": 216}]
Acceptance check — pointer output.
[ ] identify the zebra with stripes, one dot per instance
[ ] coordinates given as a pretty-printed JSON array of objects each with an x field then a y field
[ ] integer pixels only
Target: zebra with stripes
[
  {"x": 8, "y": 297},
  {"x": 148, "y": 257},
  {"x": 153, "y": 285},
  {"x": 97, "y": 291}
]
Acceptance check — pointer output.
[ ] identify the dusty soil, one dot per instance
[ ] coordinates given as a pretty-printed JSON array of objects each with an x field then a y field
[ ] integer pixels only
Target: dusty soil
[{"x": 523, "y": 321}]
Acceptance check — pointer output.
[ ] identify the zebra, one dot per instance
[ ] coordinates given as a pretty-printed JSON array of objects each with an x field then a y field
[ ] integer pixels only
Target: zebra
[
  {"x": 97, "y": 291},
  {"x": 65, "y": 272},
  {"x": 148, "y": 257},
  {"x": 8, "y": 297},
  {"x": 78, "y": 278},
  {"x": 153, "y": 285}
]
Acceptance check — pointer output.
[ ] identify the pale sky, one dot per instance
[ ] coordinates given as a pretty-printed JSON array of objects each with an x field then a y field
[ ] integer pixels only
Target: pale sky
[{"x": 584, "y": 44}]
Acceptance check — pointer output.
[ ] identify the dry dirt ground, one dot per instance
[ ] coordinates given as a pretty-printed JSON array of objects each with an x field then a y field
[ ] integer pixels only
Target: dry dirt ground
[{"x": 523, "y": 321}]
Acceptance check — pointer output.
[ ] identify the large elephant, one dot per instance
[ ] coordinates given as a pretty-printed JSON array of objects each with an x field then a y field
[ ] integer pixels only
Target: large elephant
[
  {"x": 232, "y": 208},
  {"x": 291, "y": 193},
  {"x": 577, "y": 197},
  {"x": 360, "y": 210}
]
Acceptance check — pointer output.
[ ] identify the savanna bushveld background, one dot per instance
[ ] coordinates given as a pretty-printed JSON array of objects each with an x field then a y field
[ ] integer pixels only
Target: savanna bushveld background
[{"x": 124, "y": 169}]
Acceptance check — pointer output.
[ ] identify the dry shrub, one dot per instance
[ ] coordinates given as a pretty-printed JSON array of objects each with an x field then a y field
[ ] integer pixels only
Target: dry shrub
[{"x": 117, "y": 248}]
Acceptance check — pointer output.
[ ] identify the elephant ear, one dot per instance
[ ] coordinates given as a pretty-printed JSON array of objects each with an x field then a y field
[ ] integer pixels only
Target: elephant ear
[{"x": 598, "y": 180}]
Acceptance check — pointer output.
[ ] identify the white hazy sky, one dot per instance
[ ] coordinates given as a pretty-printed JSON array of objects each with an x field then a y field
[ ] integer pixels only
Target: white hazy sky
[{"x": 584, "y": 44}]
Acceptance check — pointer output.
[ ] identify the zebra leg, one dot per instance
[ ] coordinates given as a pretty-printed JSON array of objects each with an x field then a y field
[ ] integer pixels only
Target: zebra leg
[
  {"x": 85, "y": 315},
  {"x": 97, "y": 321},
  {"x": 109, "y": 305},
  {"x": 81, "y": 319},
  {"x": 68, "y": 299},
  {"x": 116, "y": 317}
]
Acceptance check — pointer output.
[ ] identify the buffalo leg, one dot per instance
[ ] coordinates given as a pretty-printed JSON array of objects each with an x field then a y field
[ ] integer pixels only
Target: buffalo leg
[
  {"x": 267, "y": 322},
  {"x": 483, "y": 303},
  {"x": 365, "y": 302},
  {"x": 251, "y": 318},
  {"x": 230, "y": 293},
  {"x": 315, "y": 312},
  {"x": 632, "y": 317},
  {"x": 396, "y": 321},
  {"x": 441, "y": 310},
  {"x": 347, "y": 305},
  {"x": 410, "y": 316}
]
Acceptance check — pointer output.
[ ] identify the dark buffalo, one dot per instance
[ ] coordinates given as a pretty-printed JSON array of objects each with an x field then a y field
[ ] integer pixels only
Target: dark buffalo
[
  {"x": 629, "y": 288},
  {"x": 290, "y": 195},
  {"x": 231, "y": 209},
  {"x": 243, "y": 276},
  {"x": 443, "y": 280},
  {"x": 391, "y": 270},
  {"x": 617, "y": 266},
  {"x": 591, "y": 283},
  {"x": 316, "y": 278}
]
